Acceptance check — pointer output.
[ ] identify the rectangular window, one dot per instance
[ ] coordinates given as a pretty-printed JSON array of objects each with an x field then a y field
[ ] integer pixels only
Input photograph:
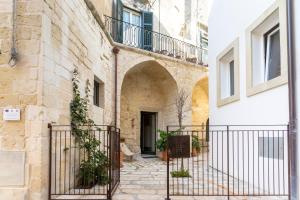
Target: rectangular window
[
  {"x": 228, "y": 75},
  {"x": 272, "y": 53},
  {"x": 131, "y": 27},
  {"x": 231, "y": 68},
  {"x": 266, "y": 50},
  {"x": 98, "y": 93}
]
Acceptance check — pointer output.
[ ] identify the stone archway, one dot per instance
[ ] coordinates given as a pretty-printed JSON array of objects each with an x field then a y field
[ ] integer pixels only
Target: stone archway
[
  {"x": 200, "y": 107},
  {"x": 147, "y": 87}
]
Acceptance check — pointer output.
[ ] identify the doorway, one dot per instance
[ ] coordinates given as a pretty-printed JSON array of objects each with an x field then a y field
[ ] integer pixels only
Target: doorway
[{"x": 148, "y": 132}]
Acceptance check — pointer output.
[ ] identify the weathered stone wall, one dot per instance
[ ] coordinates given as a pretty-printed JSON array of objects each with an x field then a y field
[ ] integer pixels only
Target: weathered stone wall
[
  {"x": 20, "y": 141},
  {"x": 185, "y": 75},
  {"x": 146, "y": 87}
]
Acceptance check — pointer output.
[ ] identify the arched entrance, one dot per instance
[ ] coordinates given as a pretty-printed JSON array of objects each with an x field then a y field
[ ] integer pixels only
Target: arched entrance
[
  {"x": 148, "y": 94},
  {"x": 200, "y": 107}
]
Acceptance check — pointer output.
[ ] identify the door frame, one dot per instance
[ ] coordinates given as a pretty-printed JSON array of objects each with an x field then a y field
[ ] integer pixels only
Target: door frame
[{"x": 141, "y": 131}]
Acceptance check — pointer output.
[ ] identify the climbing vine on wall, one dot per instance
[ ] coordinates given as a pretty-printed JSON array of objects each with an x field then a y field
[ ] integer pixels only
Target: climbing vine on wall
[{"x": 93, "y": 169}]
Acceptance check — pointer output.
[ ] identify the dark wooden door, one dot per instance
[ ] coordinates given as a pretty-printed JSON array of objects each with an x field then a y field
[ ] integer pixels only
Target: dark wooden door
[{"x": 148, "y": 132}]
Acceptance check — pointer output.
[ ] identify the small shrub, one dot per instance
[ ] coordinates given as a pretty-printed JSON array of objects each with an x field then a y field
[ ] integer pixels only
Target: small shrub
[{"x": 180, "y": 174}]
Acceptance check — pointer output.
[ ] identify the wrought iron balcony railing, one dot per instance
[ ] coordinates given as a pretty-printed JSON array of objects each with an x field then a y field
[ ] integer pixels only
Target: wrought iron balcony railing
[{"x": 139, "y": 37}]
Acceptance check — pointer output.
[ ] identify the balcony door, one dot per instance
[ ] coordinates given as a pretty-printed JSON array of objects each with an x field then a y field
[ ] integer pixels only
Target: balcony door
[{"x": 132, "y": 28}]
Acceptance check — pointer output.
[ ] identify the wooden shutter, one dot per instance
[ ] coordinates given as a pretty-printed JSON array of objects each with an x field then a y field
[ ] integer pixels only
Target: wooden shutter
[
  {"x": 119, "y": 22},
  {"x": 147, "y": 35}
]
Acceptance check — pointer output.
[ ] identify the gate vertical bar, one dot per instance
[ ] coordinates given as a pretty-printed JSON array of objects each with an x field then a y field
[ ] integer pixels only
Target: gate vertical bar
[
  {"x": 110, "y": 163},
  {"x": 168, "y": 165},
  {"x": 227, "y": 128},
  {"x": 50, "y": 160},
  {"x": 289, "y": 161}
]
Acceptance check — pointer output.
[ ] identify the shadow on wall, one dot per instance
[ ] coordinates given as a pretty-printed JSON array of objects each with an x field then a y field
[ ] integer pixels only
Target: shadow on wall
[{"x": 200, "y": 107}]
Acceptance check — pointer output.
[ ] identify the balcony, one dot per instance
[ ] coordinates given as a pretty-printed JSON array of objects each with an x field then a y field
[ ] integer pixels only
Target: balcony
[{"x": 139, "y": 37}]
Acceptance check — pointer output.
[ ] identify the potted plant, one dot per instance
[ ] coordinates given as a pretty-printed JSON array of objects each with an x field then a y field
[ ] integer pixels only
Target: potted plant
[
  {"x": 196, "y": 146},
  {"x": 161, "y": 143},
  {"x": 122, "y": 140}
]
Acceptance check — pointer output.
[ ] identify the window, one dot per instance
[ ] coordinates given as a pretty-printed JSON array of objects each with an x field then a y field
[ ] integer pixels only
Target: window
[
  {"x": 266, "y": 46},
  {"x": 272, "y": 53},
  {"x": 98, "y": 93},
  {"x": 228, "y": 75},
  {"x": 131, "y": 27}
]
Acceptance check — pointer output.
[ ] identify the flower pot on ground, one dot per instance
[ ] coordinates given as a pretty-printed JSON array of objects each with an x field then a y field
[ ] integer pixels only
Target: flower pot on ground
[
  {"x": 196, "y": 146},
  {"x": 121, "y": 158},
  {"x": 163, "y": 155},
  {"x": 161, "y": 143}
]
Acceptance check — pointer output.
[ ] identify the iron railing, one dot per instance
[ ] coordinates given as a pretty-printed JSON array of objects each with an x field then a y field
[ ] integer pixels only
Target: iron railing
[
  {"x": 73, "y": 172},
  {"x": 139, "y": 37},
  {"x": 231, "y": 161}
]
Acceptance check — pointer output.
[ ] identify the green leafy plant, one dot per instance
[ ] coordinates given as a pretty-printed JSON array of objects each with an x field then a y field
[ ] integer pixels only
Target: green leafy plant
[
  {"x": 161, "y": 143},
  {"x": 93, "y": 168},
  {"x": 196, "y": 143},
  {"x": 181, "y": 173}
]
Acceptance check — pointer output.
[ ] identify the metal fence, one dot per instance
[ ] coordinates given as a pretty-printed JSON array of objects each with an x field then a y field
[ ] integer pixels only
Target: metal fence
[
  {"x": 85, "y": 166},
  {"x": 229, "y": 161},
  {"x": 139, "y": 37}
]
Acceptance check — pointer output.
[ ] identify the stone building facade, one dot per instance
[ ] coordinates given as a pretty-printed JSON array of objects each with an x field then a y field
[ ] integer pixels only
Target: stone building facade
[{"x": 53, "y": 38}]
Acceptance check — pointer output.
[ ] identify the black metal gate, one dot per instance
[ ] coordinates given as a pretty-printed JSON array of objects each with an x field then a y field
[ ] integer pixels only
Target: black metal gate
[
  {"x": 228, "y": 161},
  {"x": 87, "y": 168}
]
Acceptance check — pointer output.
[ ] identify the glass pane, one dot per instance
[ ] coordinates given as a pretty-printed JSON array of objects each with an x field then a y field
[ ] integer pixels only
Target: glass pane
[
  {"x": 126, "y": 27},
  {"x": 126, "y": 16},
  {"x": 231, "y": 65},
  {"x": 274, "y": 56}
]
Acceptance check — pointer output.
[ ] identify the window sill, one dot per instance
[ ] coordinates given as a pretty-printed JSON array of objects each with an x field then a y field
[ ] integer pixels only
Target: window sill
[
  {"x": 262, "y": 87},
  {"x": 228, "y": 100}
]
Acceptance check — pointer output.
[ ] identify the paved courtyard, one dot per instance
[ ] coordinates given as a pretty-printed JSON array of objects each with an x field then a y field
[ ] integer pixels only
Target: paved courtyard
[{"x": 145, "y": 179}]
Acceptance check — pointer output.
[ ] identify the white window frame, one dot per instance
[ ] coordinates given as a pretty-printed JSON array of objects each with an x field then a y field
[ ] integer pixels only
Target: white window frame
[
  {"x": 256, "y": 74},
  {"x": 224, "y": 58},
  {"x": 137, "y": 39},
  {"x": 267, "y": 69}
]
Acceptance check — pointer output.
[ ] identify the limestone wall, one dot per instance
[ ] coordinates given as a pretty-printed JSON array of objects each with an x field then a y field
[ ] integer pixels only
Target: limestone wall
[{"x": 20, "y": 141}]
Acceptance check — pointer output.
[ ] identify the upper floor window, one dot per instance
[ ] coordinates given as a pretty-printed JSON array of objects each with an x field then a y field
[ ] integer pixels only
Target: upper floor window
[
  {"x": 266, "y": 46},
  {"x": 272, "y": 53},
  {"x": 228, "y": 75},
  {"x": 131, "y": 27}
]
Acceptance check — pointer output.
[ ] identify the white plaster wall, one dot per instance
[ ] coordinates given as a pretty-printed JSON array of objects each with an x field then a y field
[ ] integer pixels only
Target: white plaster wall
[{"x": 228, "y": 20}]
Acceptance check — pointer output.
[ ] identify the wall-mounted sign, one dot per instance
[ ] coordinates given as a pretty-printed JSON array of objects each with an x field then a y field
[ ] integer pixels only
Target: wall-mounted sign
[
  {"x": 11, "y": 114},
  {"x": 179, "y": 146}
]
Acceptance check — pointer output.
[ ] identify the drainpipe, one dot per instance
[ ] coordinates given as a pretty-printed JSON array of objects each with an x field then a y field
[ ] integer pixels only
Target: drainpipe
[
  {"x": 13, "y": 54},
  {"x": 293, "y": 165},
  {"x": 116, "y": 51}
]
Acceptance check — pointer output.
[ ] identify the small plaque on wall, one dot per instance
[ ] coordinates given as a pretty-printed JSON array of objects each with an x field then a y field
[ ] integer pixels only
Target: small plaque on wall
[
  {"x": 11, "y": 114},
  {"x": 179, "y": 146}
]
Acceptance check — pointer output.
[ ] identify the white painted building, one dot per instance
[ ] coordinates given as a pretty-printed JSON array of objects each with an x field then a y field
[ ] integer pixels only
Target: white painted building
[{"x": 248, "y": 61}]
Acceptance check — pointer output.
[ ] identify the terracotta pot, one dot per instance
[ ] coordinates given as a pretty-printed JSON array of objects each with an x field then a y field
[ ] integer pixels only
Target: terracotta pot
[
  {"x": 121, "y": 159},
  {"x": 195, "y": 152},
  {"x": 163, "y": 155}
]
